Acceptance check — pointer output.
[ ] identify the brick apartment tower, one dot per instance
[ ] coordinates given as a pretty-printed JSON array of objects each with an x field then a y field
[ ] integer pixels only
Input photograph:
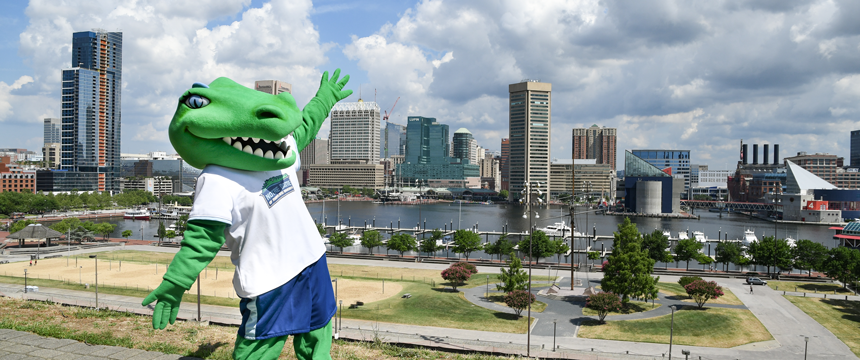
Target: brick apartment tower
[{"x": 595, "y": 143}]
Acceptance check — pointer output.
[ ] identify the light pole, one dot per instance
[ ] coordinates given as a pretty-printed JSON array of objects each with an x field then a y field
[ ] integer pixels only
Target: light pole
[
  {"x": 530, "y": 191},
  {"x": 671, "y": 330},
  {"x": 25, "y": 281},
  {"x": 553, "y": 333},
  {"x": 79, "y": 274},
  {"x": 97, "y": 279},
  {"x": 335, "y": 299}
]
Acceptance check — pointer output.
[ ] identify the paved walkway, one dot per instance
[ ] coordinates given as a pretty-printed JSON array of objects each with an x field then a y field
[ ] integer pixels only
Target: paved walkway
[
  {"x": 23, "y": 345},
  {"x": 786, "y": 322}
]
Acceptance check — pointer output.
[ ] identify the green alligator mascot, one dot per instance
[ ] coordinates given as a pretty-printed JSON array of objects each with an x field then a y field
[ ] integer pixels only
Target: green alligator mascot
[{"x": 247, "y": 143}]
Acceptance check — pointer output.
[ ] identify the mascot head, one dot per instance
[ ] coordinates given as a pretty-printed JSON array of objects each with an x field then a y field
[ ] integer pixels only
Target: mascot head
[{"x": 230, "y": 125}]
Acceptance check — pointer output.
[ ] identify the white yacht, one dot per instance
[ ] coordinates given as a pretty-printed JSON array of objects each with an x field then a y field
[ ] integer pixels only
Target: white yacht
[
  {"x": 682, "y": 235},
  {"x": 749, "y": 237},
  {"x": 558, "y": 229},
  {"x": 699, "y": 236}
]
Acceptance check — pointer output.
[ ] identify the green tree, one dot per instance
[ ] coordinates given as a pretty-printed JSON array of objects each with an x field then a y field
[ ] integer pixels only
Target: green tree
[
  {"x": 771, "y": 252},
  {"x": 540, "y": 246},
  {"x": 401, "y": 242},
  {"x": 560, "y": 248},
  {"x": 686, "y": 250},
  {"x": 514, "y": 277},
  {"x": 171, "y": 234},
  {"x": 502, "y": 246},
  {"x": 603, "y": 303},
  {"x": 657, "y": 246},
  {"x": 321, "y": 229},
  {"x": 628, "y": 271},
  {"x": 519, "y": 300},
  {"x": 465, "y": 242},
  {"x": 456, "y": 275},
  {"x": 371, "y": 239},
  {"x": 162, "y": 232},
  {"x": 104, "y": 229},
  {"x": 704, "y": 260},
  {"x": 20, "y": 225},
  {"x": 843, "y": 264},
  {"x": 593, "y": 255},
  {"x": 127, "y": 233},
  {"x": 809, "y": 255},
  {"x": 429, "y": 246},
  {"x": 503, "y": 194},
  {"x": 68, "y": 223},
  {"x": 728, "y": 252},
  {"x": 341, "y": 240}
]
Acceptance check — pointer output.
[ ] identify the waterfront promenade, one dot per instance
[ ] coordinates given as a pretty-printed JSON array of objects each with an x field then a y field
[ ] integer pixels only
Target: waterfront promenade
[{"x": 784, "y": 321}]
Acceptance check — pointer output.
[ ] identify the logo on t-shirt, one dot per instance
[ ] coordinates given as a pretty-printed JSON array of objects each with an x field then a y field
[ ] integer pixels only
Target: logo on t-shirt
[{"x": 275, "y": 188}]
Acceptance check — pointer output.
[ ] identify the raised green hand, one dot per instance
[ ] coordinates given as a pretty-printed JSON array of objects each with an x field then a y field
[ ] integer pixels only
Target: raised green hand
[
  {"x": 331, "y": 90},
  {"x": 169, "y": 296}
]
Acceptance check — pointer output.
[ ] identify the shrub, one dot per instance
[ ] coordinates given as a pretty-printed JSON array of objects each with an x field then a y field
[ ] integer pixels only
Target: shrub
[
  {"x": 603, "y": 303},
  {"x": 687, "y": 280},
  {"x": 702, "y": 291},
  {"x": 519, "y": 300},
  {"x": 604, "y": 265},
  {"x": 471, "y": 268},
  {"x": 456, "y": 275}
]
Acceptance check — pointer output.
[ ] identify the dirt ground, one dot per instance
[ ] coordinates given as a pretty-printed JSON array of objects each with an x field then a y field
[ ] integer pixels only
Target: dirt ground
[{"x": 148, "y": 276}]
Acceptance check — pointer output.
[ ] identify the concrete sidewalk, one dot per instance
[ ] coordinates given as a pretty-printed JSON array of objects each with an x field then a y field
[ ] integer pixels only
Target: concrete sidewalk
[{"x": 24, "y": 345}]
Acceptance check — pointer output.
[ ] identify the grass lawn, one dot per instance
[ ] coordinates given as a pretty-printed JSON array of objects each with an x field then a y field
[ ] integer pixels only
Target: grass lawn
[
  {"x": 632, "y": 308},
  {"x": 675, "y": 289},
  {"x": 211, "y": 342},
  {"x": 436, "y": 306},
  {"x": 499, "y": 299},
  {"x": 712, "y": 327},
  {"x": 839, "y": 316},
  {"x": 828, "y": 288}
]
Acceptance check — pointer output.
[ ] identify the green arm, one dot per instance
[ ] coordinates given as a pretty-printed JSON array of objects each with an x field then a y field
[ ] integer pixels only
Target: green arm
[
  {"x": 202, "y": 241},
  {"x": 317, "y": 110}
]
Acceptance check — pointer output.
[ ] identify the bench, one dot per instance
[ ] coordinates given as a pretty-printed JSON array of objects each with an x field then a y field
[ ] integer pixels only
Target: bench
[{"x": 406, "y": 296}]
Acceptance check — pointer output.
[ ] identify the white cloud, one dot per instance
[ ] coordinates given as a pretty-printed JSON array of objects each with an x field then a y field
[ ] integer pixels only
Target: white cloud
[{"x": 6, "y": 97}]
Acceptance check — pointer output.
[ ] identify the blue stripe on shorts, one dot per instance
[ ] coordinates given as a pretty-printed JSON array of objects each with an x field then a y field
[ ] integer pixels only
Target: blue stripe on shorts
[{"x": 303, "y": 304}]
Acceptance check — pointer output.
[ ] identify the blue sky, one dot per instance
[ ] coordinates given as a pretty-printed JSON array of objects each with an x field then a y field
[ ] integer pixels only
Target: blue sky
[{"x": 668, "y": 74}]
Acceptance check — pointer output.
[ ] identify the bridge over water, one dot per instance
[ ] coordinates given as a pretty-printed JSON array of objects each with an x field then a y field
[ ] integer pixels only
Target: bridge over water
[{"x": 730, "y": 205}]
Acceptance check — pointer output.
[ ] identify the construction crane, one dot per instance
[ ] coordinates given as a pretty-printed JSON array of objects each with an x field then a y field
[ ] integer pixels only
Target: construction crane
[{"x": 388, "y": 113}]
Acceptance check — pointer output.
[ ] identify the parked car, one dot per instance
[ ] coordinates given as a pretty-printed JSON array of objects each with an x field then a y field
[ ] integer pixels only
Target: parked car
[{"x": 756, "y": 281}]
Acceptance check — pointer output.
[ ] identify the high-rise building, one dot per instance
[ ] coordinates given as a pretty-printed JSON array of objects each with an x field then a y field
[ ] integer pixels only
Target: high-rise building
[
  {"x": 855, "y": 149},
  {"x": 273, "y": 87},
  {"x": 504, "y": 163},
  {"x": 355, "y": 132},
  {"x": 393, "y": 140},
  {"x": 316, "y": 153},
  {"x": 52, "y": 130},
  {"x": 91, "y": 105},
  {"x": 595, "y": 143},
  {"x": 463, "y": 143},
  {"x": 678, "y": 160},
  {"x": 427, "y": 154},
  {"x": 528, "y": 126}
]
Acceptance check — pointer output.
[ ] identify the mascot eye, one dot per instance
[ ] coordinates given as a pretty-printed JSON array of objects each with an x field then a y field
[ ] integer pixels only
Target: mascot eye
[{"x": 196, "y": 101}]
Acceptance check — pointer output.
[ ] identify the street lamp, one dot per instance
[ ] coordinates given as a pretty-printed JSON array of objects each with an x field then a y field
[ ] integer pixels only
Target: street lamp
[
  {"x": 671, "y": 329},
  {"x": 25, "y": 281},
  {"x": 553, "y": 333},
  {"x": 79, "y": 274},
  {"x": 532, "y": 193},
  {"x": 97, "y": 279},
  {"x": 335, "y": 299}
]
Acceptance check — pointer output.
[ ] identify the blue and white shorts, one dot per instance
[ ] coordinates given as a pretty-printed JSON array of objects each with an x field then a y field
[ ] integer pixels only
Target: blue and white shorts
[{"x": 303, "y": 304}]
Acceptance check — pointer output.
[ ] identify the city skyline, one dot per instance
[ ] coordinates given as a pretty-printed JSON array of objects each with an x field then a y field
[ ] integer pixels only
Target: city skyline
[{"x": 696, "y": 76}]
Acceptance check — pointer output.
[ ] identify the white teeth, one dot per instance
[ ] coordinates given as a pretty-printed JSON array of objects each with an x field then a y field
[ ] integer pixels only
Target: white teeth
[
  {"x": 258, "y": 152},
  {"x": 238, "y": 146},
  {"x": 226, "y": 140},
  {"x": 248, "y": 149},
  {"x": 279, "y": 155},
  {"x": 245, "y": 138},
  {"x": 283, "y": 146},
  {"x": 268, "y": 155},
  {"x": 255, "y": 140}
]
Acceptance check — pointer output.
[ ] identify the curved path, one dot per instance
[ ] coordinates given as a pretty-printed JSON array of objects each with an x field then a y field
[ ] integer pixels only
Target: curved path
[{"x": 568, "y": 313}]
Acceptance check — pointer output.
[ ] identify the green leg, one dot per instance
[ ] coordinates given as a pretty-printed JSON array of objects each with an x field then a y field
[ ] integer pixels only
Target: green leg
[
  {"x": 267, "y": 349},
  {"x": 315, "y": 345}
]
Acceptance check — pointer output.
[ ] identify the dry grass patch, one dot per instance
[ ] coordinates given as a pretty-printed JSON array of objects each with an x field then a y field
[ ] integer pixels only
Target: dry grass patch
[
  {"x": 675, "y": 289},
  {"x": 711, "y": 327},
  {"x": 839, "y": 316},
  {"x": 210, "y": 342},
  {"x": 821, "y": 288}
]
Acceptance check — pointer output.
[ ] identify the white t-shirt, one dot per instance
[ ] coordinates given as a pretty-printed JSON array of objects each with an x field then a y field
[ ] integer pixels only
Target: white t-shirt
[{"x": 270, "y": 232}]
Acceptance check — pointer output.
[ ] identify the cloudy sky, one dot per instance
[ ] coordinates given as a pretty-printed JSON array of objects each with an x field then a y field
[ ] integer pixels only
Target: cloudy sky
[{"x": 698, "y": 75}]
